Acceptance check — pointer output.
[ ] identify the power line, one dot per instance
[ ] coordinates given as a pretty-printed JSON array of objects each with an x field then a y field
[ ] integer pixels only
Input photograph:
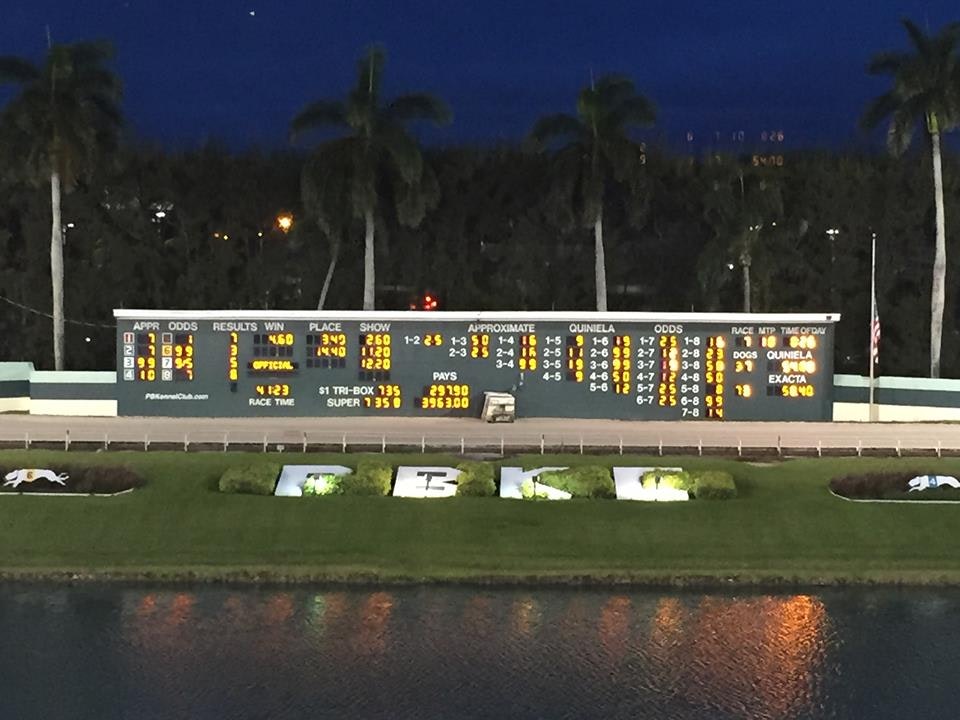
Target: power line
[{"x": 49, "y": 316}]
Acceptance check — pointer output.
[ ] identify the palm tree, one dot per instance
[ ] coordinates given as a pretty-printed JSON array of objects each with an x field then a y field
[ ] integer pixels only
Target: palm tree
[
  {"x": 64, "y": 118},
  {"x": 597, "y": 137},
  {"x": 379, "y": 153},
  {"x": 926, "y": 86},
  {"x": 740, "y": 204}
]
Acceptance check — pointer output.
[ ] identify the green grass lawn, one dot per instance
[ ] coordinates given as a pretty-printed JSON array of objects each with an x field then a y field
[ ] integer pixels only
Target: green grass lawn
[{"x": 784, "y": 526}]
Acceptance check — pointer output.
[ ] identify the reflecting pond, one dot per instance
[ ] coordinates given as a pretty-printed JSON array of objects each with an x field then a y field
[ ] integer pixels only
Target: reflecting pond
[{"x": 121, "y": 651}]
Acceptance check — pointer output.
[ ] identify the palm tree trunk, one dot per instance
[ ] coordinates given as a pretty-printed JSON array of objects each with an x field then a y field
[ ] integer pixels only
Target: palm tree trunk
[
  {"x": 600, "y": 269},
  {"x": 939, "y": 263},
  {"x": 334, "y": 255},
  {"x": 56, "y": 270},
  {"x": 745, "y": 266},
  {"x": 369, "y": 281}
]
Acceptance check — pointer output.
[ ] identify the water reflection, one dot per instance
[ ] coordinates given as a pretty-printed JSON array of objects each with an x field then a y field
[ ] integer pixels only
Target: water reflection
[
  {"x": 374, "y": 622},
  {"x": 758, "y": 652},
  {"x": 432, "y": 652},
  {"x": 525, "y": 617},
  {"x": 614, "y": 628}
]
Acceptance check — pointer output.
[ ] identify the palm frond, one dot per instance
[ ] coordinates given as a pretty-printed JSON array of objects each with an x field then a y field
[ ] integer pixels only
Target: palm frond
[
  {"x": 560, "y": 126},
  {"x": 879, "y": 110},
  {"x": 325, "y": 186},
  {"x": 97, "y": 79},
  {"x": 17, "y": 70},
  {"x": 418, "y": 106},
  {"x": 623, "y": 158},
  {"x": 403, "y": 150},
  {"x": 318, "y": 114},
  {"x": 900, "y": 132},
  {"x": 613, "y": 89},
  {"x": 919, "y": 38},
  {"x": 636, "y": 110},
  {"x": 107, "y": 109},
  {"x": 887, "y": 63}
]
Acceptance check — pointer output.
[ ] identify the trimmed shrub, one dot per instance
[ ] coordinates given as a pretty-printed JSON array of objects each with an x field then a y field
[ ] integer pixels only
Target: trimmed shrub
[
  {"x": 371, "y": 478},
  {"x": 476, "y": 480},
  {"x": 321, "y": 485},
  {"x": 714, "y": 485},
  {"x": 85, "y": 479},
  {"x": 587, "y": 481},
  {"x": 258, "y": 479},
  {"x": 529, "y": 491},
  {"x": 673, "y": 479}
]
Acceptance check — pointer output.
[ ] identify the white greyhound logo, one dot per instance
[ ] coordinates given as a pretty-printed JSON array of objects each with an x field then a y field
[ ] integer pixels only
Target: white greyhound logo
[
  {"x": 15, "y": 477},
  {"x": 923, "y": 482}
]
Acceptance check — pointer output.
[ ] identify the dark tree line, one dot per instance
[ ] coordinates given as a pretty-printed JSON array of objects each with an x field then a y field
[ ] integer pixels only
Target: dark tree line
[{"x": 198, "y": 230}]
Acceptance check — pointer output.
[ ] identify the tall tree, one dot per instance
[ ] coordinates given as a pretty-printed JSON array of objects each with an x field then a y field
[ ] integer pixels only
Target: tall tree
[
  {"x": 740, "y": 204},
  {"x": 600, "y": 151},
  {"x": 64, "y": 119},
  {"x": 926, "y": 86},
  {"x": 383, "y": 155}
]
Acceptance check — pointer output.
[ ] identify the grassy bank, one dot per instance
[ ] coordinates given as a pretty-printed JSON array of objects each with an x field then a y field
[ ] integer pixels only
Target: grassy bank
[{"x": 784, "y": 527}]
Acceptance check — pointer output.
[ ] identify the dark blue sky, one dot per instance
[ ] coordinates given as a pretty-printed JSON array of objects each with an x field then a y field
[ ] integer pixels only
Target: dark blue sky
[{"x": 238, "y": 71}]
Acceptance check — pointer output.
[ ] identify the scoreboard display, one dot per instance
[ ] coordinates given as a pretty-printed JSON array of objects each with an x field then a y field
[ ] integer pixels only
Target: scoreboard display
[{"x": 631, "y": 366}]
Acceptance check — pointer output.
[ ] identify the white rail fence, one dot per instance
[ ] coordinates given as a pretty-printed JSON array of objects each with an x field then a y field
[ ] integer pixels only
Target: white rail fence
[{"x": 291, "y": 441}]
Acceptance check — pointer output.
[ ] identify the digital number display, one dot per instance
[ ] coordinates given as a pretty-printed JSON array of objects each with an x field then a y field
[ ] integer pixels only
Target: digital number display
[
  {"x": 233, "y": 360},
  {"x": 387, "y": 397},
  {"x": 445, "y": 397},
  {"x": 274, "y": 345},
  {"x": 181, "y": 354},
  {"x": 715, "y": 371},
  {"x": 575, "y": 358},
  {"x": 272, "y": 366},
  {"x": 147, "y": 356},
  {"x": 480, "y": 346},
  {"x": 622, "y": 365},
  {"x": 376, "y": 351},
  {"x": 669, "y": 370},
  {"x": 327, "y": 350},
  {"x": 632, "y": 366},
  {"x": 528, "y": 352}
]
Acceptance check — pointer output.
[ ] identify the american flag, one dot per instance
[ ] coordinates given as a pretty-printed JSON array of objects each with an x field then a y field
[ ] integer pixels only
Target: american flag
[{"x": 874, "y": 331}]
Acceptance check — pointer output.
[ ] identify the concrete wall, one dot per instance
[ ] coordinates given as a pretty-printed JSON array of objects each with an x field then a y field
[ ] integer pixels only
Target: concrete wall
[
  {"x": 39, "y": 392},
  {"x": 26, "y": 390},
  {"x": 896, "y": 399}
]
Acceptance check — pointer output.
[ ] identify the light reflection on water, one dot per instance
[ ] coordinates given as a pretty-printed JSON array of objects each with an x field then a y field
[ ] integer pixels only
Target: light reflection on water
[{"x": 441, "y": 652}]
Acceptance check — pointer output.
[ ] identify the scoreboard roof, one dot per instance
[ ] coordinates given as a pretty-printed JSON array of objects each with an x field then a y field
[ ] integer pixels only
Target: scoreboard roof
[{"x": 477, "y": 316}]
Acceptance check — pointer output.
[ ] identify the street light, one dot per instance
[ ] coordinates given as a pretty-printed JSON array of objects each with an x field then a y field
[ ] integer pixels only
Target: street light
[{"x": 285, "y": 222}]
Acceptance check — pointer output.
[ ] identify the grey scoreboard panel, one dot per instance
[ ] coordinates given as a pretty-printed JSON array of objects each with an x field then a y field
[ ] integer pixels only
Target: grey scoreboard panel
[{"x": 588, "y": 365}]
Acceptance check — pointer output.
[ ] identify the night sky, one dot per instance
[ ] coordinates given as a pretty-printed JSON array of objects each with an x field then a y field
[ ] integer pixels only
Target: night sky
[{"x": 196, "y": 70}]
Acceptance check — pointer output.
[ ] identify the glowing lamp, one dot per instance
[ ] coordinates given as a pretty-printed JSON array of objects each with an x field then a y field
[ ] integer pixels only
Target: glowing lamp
[{"x": 285, "y": 222}]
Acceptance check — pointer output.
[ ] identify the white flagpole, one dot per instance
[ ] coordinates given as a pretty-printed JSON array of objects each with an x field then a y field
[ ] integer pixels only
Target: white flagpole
[{"x": 873, "y": 315}]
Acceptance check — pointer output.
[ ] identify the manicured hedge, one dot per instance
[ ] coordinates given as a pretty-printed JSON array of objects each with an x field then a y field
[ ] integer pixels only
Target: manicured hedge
[
  {"x": 713, "y": 485},
  {"x": 371, "y": 478},
  {"x": 322, "y": 485},
  {"x": 529, "y": 491},
  {"x": 673, "y": 479},
  {"x": 587, "y": 481},
  {"x": 83, "y": 479},
  {"x": 256, "y": 479},
  {"x": 476, "y": 480},
  {"x": 888, "y": 486}
]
